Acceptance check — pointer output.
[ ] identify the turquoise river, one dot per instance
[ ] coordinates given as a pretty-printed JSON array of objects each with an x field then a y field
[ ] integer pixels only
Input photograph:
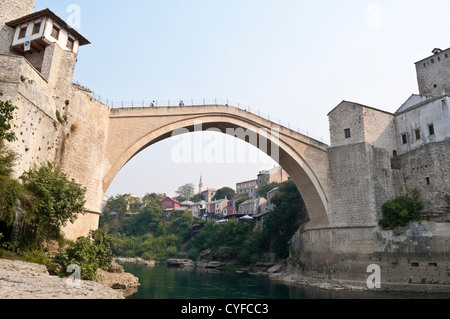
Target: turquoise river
[{"x": 161, "y": 282}]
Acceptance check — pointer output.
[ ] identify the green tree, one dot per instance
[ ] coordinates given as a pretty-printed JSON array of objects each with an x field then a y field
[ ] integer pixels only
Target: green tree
[
  {"x": 224, "y": 240},
  {"x": 89, "y": 253},
  {"x": 263, "y": 190},
  {"x": 240, "y": 200},
  {"x": 56, "y": 199},
  {"x": 7, "y": 160},
  {"x": 10, "y": 190},
  {"x": 155, "y": 197},
  {"x": 400, "y": 211},
  {"x": 149, "y": 220},
  {"x": 197, "y": 198},
  {"x": 6, "y": 116},
  {"x": 180, "y": 224},
  {"x": 122, "y": 204},
  {"x": 185, "y": 192},
  {"x": 282, "y": 223},
  {"x": 224, "y": 192},
  {"x": 117, "y": 204}
]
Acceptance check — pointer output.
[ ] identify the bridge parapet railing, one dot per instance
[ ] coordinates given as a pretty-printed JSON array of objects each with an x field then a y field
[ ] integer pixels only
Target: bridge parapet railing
[{"x": 202, "y": 102}]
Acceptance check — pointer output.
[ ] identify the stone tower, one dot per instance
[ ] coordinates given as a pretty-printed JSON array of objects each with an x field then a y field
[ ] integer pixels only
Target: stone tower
[
  {"x": 433, "y": 73},
  {"x": 11, "y": 10}
]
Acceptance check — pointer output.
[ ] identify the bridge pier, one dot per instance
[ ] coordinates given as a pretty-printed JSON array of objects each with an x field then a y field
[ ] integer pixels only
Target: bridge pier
[{"x": 82, "y": 225}]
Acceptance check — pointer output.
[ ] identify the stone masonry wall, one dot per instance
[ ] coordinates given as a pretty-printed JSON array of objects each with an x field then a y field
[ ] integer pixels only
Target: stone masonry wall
[
  {"x": 350, "y": 185},
  {"x": 428, "y": 169},
  {"x": 379, "y": 129},
  {"x": 34, "y": 121},
  {"x": 85, "y": 144},
  {"x": 433, "y": 74},
  {"x": 75, "y": 139},
  {"x": 9, "y": 11},
  {"x": 360, "y": 181},
  {"x": 346, "y": 115},
  {"x": 383, "y": 180}
]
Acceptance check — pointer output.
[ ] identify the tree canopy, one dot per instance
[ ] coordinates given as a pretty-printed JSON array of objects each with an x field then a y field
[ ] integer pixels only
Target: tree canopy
[
  {"x": 124, "y": 203},
  {"x": 224, "y": 192},
  {"x": 282, "y": 223},
  {"x": 55, "y": 199},
  {"x": 263, "y": 190},
  {"x": 185, "y": 192},
  {"x": 400, "y": 211}
]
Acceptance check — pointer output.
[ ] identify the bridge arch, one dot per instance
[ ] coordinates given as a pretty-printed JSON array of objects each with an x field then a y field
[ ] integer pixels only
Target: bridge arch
[{"x": 304, "y": 159}]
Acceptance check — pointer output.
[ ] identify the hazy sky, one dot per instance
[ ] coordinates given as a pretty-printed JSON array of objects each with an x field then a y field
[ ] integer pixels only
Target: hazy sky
[{"x": 295, "y": 60}]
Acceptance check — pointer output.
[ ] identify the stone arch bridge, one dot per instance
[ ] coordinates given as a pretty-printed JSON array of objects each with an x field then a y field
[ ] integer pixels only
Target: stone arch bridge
[{"x": 131, "y": 130}]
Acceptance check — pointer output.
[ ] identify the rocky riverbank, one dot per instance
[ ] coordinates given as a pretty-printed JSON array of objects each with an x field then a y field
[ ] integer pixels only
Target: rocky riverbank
[{"x": 23, "y": 280}]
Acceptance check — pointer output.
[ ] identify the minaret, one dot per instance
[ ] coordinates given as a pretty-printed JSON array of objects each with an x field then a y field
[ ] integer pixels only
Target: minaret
[{"x": 200, "y": 185}]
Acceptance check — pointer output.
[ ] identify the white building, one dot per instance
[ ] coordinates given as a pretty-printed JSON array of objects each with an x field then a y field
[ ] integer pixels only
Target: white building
[
  {"x": 422, "y": 120},
  {"x": 34, "y": 33},
  {"x": 198, "y": 209}
]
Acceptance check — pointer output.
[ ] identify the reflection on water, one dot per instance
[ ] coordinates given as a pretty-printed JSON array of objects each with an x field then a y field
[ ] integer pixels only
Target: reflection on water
[{"x": 161, "y": 282}]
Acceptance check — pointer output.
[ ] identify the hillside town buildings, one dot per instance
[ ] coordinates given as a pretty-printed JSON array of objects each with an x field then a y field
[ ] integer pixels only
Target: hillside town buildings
[
  {"x": 255, "y": 206},
  {"x": 247, "y": 187}
]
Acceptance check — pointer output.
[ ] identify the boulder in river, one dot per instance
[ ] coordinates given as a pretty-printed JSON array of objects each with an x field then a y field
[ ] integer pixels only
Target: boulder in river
[{"x": 180, "y": 263}]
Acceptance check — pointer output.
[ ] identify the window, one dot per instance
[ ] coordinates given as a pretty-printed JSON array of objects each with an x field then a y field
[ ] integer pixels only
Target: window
[
  {"x": 424, "y": 65},
  {"x": 428, "y": 181},
  {"x": 435, "y": 85},
  {"x": 446, "y": 55},
  {"x": 55, "y": 32},
  {"x": 417, "y": 133},
  {"x": 432, "y": 60},
  {"x": 22, "y": 32},
  {"x": 431, "y": 129},
  {"x": 348, "y": 133},
  {"x": 404, "y": 139},
  {"x": 37, "y": 28},
  {"x": 394, "y": 153},
  {"x": 70, "y": 43}
]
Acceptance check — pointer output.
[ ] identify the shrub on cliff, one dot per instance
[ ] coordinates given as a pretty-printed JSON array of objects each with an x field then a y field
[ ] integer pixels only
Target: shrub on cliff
[
  {"x": 55, "y": 200},
  {"x": 10, "y": 189},
  {"x": 89, "y": 253},
  {"x": 400, "y": 211},
  {"x": 6, "y": 116}
]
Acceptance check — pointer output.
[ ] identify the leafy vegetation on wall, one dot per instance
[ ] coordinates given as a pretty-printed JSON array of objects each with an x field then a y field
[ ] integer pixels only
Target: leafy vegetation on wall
[{"x": 400, "y": 211}]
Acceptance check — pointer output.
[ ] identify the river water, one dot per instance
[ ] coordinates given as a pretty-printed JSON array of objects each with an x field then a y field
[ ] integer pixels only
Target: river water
[{"x": 161, "y": 282}]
